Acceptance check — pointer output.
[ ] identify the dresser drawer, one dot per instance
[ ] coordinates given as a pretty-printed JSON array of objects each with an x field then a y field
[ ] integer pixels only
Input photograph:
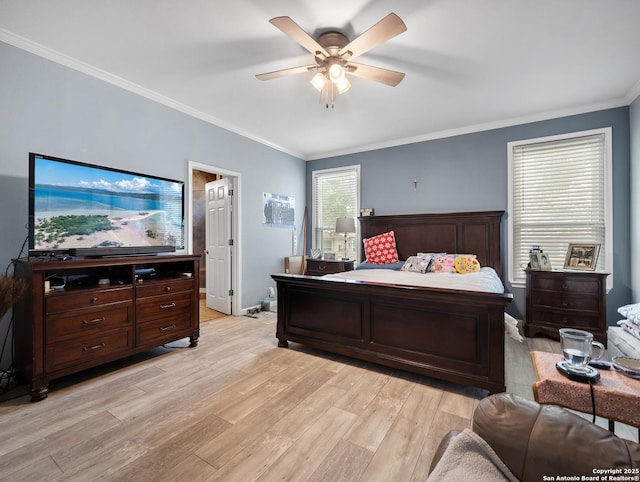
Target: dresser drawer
[
  {"x": 71, "y": 324},
  {"x": 565, "y": 301},
  {"x": 154, "y": 332},
  {"x": 570, "y": 284},
  {"x": 320, "y": 267},
  {"x": 156, "y": 307},
  {"x": 156, "y": 288},
  {"x": 57, "y": 302},
  {"x": 562, "y": 319},
  {"x": 88, "y": 349}
]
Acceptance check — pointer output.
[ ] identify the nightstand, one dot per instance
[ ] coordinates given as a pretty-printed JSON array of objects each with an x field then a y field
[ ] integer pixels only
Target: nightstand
[
  {"x": 320, "y": 267},
  {"x": 566, "y": 299}
]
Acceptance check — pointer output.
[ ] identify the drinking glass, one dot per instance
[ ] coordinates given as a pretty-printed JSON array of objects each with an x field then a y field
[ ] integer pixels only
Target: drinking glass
[{"x": 578, "y": 347}]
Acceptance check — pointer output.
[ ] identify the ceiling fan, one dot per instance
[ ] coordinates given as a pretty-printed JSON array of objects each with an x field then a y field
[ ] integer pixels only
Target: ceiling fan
[{"x": 334, "y": 56}]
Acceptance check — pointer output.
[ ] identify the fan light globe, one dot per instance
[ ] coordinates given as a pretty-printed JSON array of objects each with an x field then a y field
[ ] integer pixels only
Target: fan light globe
[
  {"x": 343, "y": 85},
  {"x": 336, "y": 73},
  {"x": 319, "y": 81}
]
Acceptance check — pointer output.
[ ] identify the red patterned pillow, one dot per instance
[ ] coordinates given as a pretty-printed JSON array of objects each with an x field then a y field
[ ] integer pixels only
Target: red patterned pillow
[{"x": 381, "y": 249}]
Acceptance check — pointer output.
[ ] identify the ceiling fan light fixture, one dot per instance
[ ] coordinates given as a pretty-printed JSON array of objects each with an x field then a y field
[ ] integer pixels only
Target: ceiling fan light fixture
[
  {"x": 319, "y": 81},
  {"x": 333, "y": 55},
  {"x": 343, "y": 85},
  {"x": 336, "y": 73}
]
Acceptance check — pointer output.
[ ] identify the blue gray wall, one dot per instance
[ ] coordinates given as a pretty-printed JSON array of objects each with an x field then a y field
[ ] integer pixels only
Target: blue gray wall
[
  {"x": 51, "y": 109},
  {"x": 634, "y": 129},
  {"x": 469, "y": 173}
]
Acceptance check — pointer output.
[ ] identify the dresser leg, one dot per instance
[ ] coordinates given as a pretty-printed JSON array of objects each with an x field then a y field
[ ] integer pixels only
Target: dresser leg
[
  {"x": 193, "y": 341},
  {"x": 39, "y": 393}
]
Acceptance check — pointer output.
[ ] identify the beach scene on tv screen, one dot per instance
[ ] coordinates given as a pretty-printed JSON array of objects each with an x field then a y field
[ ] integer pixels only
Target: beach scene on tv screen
[{"x": 78, "y": 206}]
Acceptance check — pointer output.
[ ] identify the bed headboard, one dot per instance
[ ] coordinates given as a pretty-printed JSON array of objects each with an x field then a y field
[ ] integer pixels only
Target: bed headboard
[{"x": 476, "y": 233}]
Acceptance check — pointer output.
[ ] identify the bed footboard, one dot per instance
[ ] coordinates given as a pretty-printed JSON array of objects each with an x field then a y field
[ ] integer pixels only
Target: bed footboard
[{"x": 453, "y": 335}]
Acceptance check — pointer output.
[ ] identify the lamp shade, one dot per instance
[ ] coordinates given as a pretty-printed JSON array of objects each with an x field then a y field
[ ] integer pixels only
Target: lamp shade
[{"x": 345, "y": 225}]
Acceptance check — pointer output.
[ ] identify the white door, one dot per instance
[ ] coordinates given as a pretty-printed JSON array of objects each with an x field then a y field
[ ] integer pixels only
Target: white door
[{"x": 219, "y": 244}]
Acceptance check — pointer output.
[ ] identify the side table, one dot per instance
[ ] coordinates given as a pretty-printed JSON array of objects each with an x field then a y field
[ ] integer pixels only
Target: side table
[
  {"x": 566, "y": 299},
  {"x": 617, "y": 397},
  {"x": 320, "y": 267}
]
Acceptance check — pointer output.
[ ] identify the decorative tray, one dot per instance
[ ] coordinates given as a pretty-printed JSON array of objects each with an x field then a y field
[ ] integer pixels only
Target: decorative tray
[{"x": 627, "y": 366}]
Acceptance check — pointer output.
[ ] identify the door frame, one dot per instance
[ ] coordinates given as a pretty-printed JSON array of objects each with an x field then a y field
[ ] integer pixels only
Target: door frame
[{"x": 236, "y": 228}]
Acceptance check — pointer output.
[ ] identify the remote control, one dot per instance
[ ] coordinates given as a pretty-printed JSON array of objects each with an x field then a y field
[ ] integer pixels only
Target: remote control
[{"x": 603, "y": 365}]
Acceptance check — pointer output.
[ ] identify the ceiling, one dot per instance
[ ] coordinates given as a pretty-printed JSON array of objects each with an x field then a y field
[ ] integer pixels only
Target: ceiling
[{"x": 470, "y": 65}]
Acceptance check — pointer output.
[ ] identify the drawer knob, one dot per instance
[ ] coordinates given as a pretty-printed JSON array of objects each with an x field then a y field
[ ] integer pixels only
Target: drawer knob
[
  {"x": 322, "y": 267},
  {"x": 564, "y": 286},
  {"x": 167, "y": 289},
  {"x": 167, "y": 307},
  {"x": 565, "y": 321},
  {"x": 165, "y": 328},
  {"x": 94, "y": 299},
  {"x": 94, "y": 347},
  {"x": 95, "y": 320}
]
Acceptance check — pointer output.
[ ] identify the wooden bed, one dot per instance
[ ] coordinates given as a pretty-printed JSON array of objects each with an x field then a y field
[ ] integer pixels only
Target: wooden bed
[{"x": 453, "y": 335}]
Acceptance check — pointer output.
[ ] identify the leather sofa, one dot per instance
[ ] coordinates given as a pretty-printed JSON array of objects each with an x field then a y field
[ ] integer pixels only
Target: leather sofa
[{"x": 535, "y": 441}]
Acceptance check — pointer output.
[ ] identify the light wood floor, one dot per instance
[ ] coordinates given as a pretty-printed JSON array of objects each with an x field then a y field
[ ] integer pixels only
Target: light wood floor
[{"x": 237, "y": 408}]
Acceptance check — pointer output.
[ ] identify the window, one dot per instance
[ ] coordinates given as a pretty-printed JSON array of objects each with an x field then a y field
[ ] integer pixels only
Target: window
[
  {"x": 560, "y": 193},
  {"x": 336, "y": 194}
]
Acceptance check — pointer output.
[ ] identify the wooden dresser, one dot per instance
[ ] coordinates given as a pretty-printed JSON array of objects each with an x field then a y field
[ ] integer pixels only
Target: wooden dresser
[
  {"x": 320, "y": 267},
  {"x": 566, "y": 299},
  {"x": 100, "y": 311}
]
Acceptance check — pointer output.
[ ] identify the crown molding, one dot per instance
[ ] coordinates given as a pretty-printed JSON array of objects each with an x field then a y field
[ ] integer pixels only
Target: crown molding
[
  {"x": 633, "y": 94},
  {"x": 474, "y": 128},
  {"x": 75, "y": 64}
]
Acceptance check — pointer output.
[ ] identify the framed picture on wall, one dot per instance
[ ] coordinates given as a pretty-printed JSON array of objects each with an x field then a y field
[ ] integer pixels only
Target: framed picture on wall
[{"x": 582, "y": 256}]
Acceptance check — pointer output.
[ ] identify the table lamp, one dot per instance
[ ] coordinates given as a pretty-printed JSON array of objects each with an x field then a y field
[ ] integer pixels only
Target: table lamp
[{"x": 345, "y": 225}]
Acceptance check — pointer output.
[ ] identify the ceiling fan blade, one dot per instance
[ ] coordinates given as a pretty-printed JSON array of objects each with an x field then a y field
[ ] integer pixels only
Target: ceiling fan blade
[
  {"x": 385, "y": 76},
  {"x": 385, "y": 29},
  {"x": 293, "y": 30},
  {"x": 282, "y": 73}
]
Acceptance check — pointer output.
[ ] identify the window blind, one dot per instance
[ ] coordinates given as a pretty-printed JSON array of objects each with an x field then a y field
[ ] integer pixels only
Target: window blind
[
  {"x": 335, "y": 195},
  {"x": 558, "y": 198}
]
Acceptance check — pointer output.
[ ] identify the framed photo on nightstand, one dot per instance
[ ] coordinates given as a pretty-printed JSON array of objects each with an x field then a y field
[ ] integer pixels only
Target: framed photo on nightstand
[
  {"x": 582, "y": 256},
  {"x": 543, "y": 261},
  {"x": 533, "y": 261}
]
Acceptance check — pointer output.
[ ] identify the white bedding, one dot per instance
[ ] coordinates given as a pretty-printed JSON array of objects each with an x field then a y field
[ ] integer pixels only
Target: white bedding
[{"x": 486, "y": 280}]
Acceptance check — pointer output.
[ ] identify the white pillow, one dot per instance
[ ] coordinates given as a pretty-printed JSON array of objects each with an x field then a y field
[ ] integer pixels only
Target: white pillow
[
  {"x": 626, "y": 309},
  {"x": 418, "y": 263}
]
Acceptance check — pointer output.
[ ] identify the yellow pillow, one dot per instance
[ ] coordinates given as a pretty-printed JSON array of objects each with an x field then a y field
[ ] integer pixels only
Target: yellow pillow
[{"x": 467, "y": 264}]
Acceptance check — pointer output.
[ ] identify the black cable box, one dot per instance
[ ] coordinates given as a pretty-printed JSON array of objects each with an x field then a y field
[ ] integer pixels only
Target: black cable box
[{"x": 144, "y": 273}]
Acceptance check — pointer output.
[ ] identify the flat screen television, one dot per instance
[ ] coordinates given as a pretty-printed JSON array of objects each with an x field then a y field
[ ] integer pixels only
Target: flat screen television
[{"x": 82, "y": 209}]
